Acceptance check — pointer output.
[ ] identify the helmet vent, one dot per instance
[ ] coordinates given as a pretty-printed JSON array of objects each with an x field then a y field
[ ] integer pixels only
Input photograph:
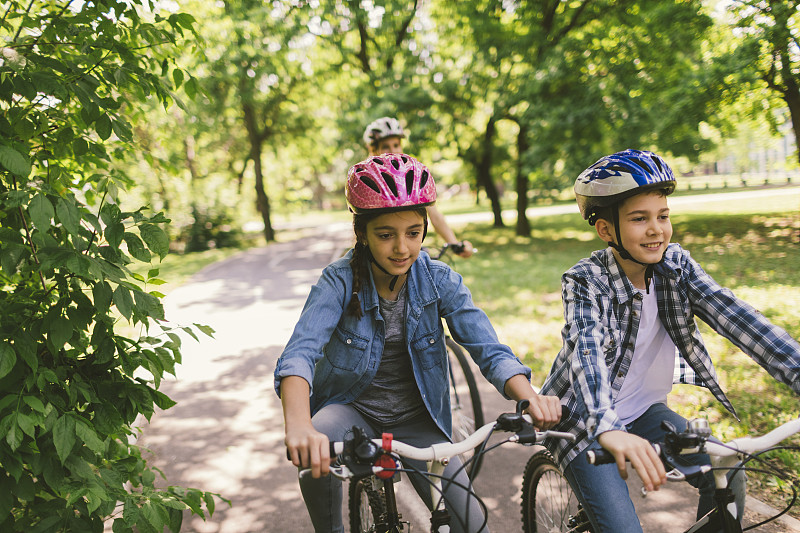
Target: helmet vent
[
  {"x": 377, "y": 160},
  {"x": 409, "y": 181},
  {"x": 369, "y": 183},
  {"x": 640, "y": 164},
  {"x": 422, "y": 179},
  {"x": 395, "y": 164},
  {"x": 404, "y": 158},
  {"x": 390, "y": 183}
]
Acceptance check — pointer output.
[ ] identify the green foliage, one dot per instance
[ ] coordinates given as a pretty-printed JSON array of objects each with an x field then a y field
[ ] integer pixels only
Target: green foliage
[
  {"x": 70, "y": 385},
  {"x": 211, "y": 230}
]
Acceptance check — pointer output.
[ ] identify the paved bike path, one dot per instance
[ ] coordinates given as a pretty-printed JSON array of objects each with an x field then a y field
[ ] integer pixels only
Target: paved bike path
[{"x": 225, "y": 434}]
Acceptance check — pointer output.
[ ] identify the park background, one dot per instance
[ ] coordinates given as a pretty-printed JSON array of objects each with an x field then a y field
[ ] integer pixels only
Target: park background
[{"x": 140, "y": 132}]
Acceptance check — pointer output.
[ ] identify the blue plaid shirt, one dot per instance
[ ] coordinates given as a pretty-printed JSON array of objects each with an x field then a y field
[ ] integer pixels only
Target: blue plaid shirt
[{"x": 601, "y": 313}]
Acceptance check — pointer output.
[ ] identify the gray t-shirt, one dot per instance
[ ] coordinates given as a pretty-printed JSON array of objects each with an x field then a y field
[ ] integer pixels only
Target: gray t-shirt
[{"x": 393, "y": 395}]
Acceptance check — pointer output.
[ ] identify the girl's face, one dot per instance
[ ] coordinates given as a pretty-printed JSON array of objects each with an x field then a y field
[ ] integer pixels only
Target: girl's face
[
  {"x": 645, "y": 226},
  {"x": 389, "y": 145},
  {"x": 395, "y": 240}
]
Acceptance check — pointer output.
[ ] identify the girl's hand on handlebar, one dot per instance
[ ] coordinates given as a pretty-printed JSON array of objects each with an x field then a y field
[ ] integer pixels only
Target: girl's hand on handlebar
[
  {"x": 545, "y": 411},
  {"x": 308, "y": 448},
  {"x": 644, "y": 459}
]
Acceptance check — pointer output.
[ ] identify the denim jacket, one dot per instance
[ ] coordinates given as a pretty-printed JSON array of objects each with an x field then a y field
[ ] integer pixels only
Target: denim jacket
[
  {"x": 602, "y": 310},
  {"x": 338, "y": 354}
]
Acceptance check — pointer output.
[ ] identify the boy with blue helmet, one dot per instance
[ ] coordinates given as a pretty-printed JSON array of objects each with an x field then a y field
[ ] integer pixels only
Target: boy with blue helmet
[{"x": 630, "y": 334}]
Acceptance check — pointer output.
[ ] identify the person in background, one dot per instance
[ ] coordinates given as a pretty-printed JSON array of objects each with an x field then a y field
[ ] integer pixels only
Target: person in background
[{"x": 385, "y": 135}]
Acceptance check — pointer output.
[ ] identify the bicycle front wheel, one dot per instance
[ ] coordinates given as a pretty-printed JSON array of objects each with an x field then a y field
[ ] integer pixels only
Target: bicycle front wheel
[
  {"x": 465, "y": 403},
  {"x": 548, "y": 503},
  {"x": 366, "y": 505}
]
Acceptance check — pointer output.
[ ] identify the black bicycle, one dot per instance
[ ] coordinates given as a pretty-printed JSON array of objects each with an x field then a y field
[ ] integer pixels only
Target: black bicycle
[
  {"x": 466, "y": 407},
  {"x": 549, "y": 504}
]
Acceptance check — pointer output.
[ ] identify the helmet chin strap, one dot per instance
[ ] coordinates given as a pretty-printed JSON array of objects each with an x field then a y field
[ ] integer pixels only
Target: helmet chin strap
[
  {"x": 624, "y": 254},
  {"x": 394, "y": 279}
]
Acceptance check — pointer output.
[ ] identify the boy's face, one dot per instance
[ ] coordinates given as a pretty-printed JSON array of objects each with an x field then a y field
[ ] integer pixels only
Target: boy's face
[
  {"x": 645, "y": 226},
  {"x": 389, "y": 145}
]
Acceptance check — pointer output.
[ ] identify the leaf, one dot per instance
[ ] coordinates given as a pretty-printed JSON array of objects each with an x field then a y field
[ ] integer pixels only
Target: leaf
[
  {"x": 155, "y": 238},
  {"x": 41, "y": 211},
  {"x": 14, "y": 162},
  {"x": 209, "y": 499},
  {"x": 177, "y": 77},
  {"x": 26, "y": 424},
  {"x": 89, "y": 437},
  {"x": 34, "y": 403},
  {"x": 114, "y": 233},
  {"x": 69, "y": 215},
  {"x": 208, "y": 330},
  {"x": 136, "y": 247},
  {"x": 103, "y": 126},
  {"x": 64, "y": 437},
  {"x": 26, "y": 349},
  {"x": 123, "y": 301},
  {"x": 14, "y": 435},
  {"x": 101, "y": 293},
  {"x": 7, "y": 359},
  {"x": 60, "y": 331}
]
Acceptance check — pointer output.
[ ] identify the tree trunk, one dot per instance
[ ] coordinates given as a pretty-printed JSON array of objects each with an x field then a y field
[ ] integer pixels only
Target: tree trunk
[
  {"x": 262, "y": 200},
  {"x": 792, "y": 99},
  {"x": 484, "y": 177},
  {"x": 523, "y": 225}
]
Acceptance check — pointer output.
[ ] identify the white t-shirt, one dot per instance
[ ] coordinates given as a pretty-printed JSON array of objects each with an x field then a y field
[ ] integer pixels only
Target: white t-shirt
[{"x": 649, "y": 377}]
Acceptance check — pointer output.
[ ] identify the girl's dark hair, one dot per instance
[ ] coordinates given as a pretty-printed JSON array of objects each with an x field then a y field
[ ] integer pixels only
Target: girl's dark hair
[{"x": 360, "y": 260}]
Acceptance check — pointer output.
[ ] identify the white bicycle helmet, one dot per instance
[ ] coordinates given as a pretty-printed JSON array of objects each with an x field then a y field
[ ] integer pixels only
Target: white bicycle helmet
[{"x": 382, "y": 128}]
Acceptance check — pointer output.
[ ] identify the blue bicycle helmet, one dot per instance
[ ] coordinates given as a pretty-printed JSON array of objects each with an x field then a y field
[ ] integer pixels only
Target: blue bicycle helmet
[
  {"x": 614, "y": 178},
  {"x": 618, "y": 176}
]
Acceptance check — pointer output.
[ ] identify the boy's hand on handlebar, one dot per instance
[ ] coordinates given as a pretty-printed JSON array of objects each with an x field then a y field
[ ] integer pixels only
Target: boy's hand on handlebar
[
  {"x": 644, "y": 459},
  {"x": 308, "y": 448},
  {"x": 545, "y": 411}
]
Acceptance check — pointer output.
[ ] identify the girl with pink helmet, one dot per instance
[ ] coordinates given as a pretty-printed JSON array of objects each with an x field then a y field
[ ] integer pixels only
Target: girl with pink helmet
[{"x": 369, "y": 347}]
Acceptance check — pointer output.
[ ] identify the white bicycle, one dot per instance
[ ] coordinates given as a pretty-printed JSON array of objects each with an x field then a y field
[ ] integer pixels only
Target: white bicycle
[
  {"x": 370, "y": 465},
  {"x": 549, "y": 504}
]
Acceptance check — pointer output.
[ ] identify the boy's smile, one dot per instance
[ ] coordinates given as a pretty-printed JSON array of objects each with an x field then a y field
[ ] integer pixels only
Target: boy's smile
[{"x": 645, "y": 231}]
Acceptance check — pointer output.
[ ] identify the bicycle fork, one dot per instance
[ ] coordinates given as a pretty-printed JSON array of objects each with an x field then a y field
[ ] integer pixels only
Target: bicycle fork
[{"x": 440, "y": 517}]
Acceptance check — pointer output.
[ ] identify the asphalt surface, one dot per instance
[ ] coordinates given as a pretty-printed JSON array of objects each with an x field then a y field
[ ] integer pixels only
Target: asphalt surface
[{"x": 225, "y": 434}]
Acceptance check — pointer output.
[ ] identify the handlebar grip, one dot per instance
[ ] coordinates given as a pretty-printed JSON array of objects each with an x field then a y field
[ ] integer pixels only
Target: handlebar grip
[
  {"x": 331, "y": 450},
  {"x": 599, "y": 457},
  {"x": 603, "y": 457},
  {"x": 457, "y": 247}
]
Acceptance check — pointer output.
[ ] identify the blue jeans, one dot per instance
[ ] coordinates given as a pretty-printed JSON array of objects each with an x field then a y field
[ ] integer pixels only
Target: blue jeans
[
  {"x": 323, "y": 496},
  {"x": 604, "y": 495}
]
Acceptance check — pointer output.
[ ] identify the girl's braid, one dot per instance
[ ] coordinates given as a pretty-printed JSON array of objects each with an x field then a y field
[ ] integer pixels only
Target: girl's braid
[{"x": 359, "y": 263}]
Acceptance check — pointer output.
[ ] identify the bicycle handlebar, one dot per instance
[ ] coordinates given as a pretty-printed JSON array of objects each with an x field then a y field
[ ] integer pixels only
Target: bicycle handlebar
[
  {"x": 364, "y": 452},
  {"x": 695, "y": 439}
]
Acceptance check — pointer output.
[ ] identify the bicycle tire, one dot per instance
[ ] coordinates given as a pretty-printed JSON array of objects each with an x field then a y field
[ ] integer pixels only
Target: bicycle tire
[
  {"x": 366, "y": 506},
  {"x": 466, "y": 417},
  {"x": 549, "y": 504}
]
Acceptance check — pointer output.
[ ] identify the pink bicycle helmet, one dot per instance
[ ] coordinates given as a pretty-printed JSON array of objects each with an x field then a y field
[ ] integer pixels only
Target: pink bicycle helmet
[{"x": 389, "y": 182}]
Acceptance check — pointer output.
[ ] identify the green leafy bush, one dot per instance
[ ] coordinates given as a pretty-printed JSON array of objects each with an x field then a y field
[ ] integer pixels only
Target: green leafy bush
[{"x": 71, "y": 386}]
